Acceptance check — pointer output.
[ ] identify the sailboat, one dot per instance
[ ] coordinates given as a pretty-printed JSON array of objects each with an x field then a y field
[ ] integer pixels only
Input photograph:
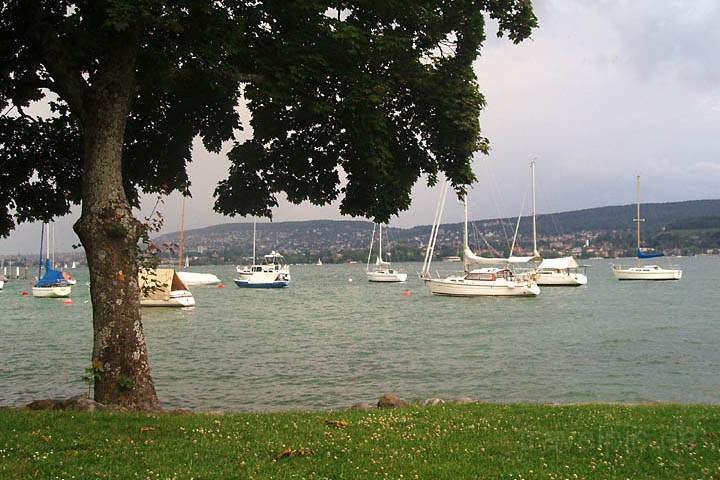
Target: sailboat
[
  {"x": 52, "y": 283},
  {"x": 382, "y": 271},
  {"x": 556, "y": 272},
  {"x": 190, "y": 278},
  {"x": 3, "y": 279},
  {"x": 640, "y": 271},
  {"x": 272, "y": 273},
  {"x": 473, "y": 282},
  {"x": 319, "y": 263},
  {"x": 162, "y": 287}
]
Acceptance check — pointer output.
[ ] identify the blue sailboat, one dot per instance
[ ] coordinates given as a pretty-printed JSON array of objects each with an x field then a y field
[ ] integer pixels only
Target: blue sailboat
[{"x": 51, "y": 284}]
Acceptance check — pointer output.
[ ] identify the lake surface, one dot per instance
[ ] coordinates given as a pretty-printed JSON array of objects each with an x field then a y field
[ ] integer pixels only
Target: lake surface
[{"x": 327, "y": 342}]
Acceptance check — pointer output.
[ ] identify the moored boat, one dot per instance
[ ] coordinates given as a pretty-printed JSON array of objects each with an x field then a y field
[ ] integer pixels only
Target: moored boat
[
  {"x": 51, "y": 283},
  {"x": 382, "y": 272},
  {"x": 560, "y": 272},
  {"x": 640, "y": 271},
  {"x": 162, "y": 287}
]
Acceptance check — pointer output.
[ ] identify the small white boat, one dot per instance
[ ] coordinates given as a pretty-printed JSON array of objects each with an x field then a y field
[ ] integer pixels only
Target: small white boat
[
  {"x": 640, "y": 271},
  {"x": 382, "y": 272},
  {"x": 2, "y": 281},
  {"x": 560, "y": 272},
  {"x": 192, "y": 279},
  {"x": 646, "y": 272},
  {"x": 163, "y": 288},
  {"x": 319, "y": 262},
  {"x": 73, "y": 265}
]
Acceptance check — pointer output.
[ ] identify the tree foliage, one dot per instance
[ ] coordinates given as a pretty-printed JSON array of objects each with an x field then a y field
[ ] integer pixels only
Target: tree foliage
[{"x": 349, "y": 99}]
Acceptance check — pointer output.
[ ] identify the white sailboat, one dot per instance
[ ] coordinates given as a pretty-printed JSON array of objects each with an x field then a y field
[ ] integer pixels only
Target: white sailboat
[
  {"x": 162, "y": 287},
  {"x": 319, "y": 263},
  {"x": 640, "y": 271},
  {"x": 554, "y": 272},
  {"x": 382, "y": 272},
  {"x": 190, "y": 278},
  {"x": 2, "y": 281},
  {"x": 474, "y": 282},
  {"x": 272, "y": 273},
  {"x": 51, "y": 283}
]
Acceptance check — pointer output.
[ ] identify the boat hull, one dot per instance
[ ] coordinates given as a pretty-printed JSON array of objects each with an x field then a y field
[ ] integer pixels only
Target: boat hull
[
  {"x": 2, "y": 284},
  {"x": 178, "y": 299},
  {"x": 456, "y": 288},
  {"x": 561, "y": 279},
  {"x": 51, "y": 292},
  {"x": 382, "y": 277},
  {"x": 193, "y": 278},
  {"x": 641, "y": 273},
  {"x": 249, "y": 284}
]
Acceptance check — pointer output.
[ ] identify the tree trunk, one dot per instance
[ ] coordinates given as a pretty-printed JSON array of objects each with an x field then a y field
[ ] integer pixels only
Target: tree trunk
[{"x": 110, "y": 233}]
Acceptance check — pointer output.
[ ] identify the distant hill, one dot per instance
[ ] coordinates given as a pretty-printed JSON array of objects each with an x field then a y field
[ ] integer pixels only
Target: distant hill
[{"x": 307, "y": 239}]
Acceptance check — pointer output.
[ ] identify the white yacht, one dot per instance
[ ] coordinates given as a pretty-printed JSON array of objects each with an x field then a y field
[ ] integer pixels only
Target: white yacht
[
  {"x": 2, "y": 281},
  {"x": 640, "y": 271},
  {"x": 478, "y": 282},
  {"x": 382, "y": 271},
  {"x": 272, "y": 273}
]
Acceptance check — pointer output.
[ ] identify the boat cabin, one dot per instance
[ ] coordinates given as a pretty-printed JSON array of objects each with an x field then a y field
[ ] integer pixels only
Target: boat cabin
[{"x": 489, "y": 274}]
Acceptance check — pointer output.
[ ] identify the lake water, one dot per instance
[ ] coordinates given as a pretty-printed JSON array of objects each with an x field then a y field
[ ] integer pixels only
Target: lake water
[{"x": 327, "y": 342}]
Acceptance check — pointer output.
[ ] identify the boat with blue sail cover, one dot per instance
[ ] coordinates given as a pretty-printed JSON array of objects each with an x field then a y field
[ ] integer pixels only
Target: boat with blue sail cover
[
  {"x": 52, "y": 283},
  {"x": 640, "y": 271}
]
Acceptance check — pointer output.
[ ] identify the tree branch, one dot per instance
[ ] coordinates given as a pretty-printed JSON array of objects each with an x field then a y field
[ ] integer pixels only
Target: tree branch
[{"x": 67, "y": 77}]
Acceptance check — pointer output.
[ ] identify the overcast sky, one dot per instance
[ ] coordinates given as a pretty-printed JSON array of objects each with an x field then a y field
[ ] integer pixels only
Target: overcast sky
[{"x": 605, "y": 90}]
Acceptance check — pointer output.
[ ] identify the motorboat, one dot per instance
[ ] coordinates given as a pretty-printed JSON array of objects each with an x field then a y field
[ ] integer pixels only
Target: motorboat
[
  {"x": 272, "y": 273},
  {"x": 162, "y": 287},
  {"x": 473, "y": 282},
  {"x": 640, "y": 271},
  {"x": 382, "y": 271}
]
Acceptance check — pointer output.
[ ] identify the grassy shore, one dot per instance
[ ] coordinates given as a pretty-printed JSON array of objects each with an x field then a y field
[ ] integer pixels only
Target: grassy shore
[{"x": 445, "y": 442}]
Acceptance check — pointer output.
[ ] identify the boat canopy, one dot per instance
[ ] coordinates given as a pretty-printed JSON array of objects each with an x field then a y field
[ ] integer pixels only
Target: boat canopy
[
  {"x": 562, "y": 263},
  {"x": 642, "y": 254},
  {"x": 51, "y": 276},
  {"x": 472, "y": 259},
  {"x": 156, "y": 284}
]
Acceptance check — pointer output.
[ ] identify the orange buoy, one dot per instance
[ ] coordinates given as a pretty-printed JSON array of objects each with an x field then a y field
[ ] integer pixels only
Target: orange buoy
[
  {"x": 24, "y": 293},
  {"x": 68, "y": 301},
  {"x": 407, "y": 293}
]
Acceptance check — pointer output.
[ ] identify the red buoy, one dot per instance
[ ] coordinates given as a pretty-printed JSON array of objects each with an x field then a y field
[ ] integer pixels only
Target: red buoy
[
  {"x": 407, "y": 293},
  {"x": 68, "y": 301},
  {"x": 24, "y": 293},
  {"x": 221, "y": 286}
]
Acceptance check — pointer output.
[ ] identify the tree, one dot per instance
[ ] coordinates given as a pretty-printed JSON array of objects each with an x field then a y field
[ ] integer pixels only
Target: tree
[{"x": 349, "y": 98}]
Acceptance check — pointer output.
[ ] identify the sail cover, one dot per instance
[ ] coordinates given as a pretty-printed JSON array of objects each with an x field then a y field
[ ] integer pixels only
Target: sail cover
[
  {"x": 562, "y": 263},
  {"x": 472, "y": 259},
  {"x": 51, "y": 277},
  {"x": 642, "y": 254}
]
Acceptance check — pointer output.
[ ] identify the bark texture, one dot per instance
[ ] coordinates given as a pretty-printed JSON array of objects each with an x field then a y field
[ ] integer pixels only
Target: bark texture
[{"x": 110, "y": 234}]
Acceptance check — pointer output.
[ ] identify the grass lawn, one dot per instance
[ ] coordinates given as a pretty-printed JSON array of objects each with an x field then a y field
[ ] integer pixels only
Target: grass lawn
[{"x": 483, "y": 441}]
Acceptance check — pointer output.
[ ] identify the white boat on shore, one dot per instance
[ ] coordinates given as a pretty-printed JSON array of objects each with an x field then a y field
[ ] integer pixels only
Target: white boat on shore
[
  {"x": 162, "y": 287},
  {"x": 640, "y": 271},
  {"x": 382, "y": 273}
]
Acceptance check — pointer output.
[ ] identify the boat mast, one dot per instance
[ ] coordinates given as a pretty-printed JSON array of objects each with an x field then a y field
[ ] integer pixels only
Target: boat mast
[
  {"x": 254, "y": 237},
  {"x": 380, "y": 245},
  {"x": 182, "y": 235},
  {"x": 372, "y": 240},
  {"x": 47, "y": 244},
  {"x": 465, "y": 229},
  {"x": 42, "y": 237},
  {"x": 535, "y": 250},
  {"x": 638, "y": 219}
]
